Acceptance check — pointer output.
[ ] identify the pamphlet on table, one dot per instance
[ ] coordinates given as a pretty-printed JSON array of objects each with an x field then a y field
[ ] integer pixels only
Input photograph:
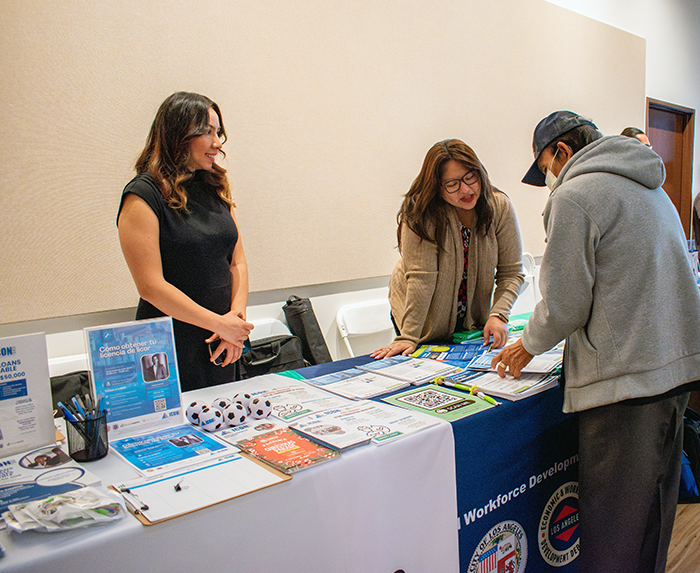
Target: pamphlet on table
[
  {"x": 251, "y": 429},
  {"x": 413, "y": 370},
  {"x": 134, "y": 371},
  {"x": 383, "y": 423},
  {"x": 540, "y": 364},
  {"x": 358, "y": 384},
  {"x": 295, "y": 399},
  {"x": 456, "y": 354},
  {"x": 329, "y": 429},
  {"x": 445, "y": 403},
  {"x": 287, "y": 450},
  {"x": 169, "y": 449},
  {"x": 508, "y": 388},
  {"x": 26, "y": 409},
  {"x": 40, "y": 473}
]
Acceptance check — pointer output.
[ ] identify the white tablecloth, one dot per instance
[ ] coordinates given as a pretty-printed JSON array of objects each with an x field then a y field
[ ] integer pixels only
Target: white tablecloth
[{"x": 376, "y": 509}]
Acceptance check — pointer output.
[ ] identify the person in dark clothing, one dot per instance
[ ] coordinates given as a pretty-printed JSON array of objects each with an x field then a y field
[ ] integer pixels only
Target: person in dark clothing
[{"x": 180, "y": 239}]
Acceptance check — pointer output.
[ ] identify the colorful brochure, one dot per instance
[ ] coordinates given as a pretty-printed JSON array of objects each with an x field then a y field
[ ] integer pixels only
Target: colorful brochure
[
  {"x": 455, "y": 354},
  {"x": 134, "y": 371},
  {"x": 169, "y": 449},
  {"x": 287, "y": 451}
]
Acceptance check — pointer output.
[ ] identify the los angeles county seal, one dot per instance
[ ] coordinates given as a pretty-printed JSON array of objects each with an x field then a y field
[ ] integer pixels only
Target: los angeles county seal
[{"x": 503, "y": 548}]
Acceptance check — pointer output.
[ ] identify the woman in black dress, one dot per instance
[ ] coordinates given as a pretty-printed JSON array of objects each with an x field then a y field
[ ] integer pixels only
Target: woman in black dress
[{"x": 179, "y": 236}]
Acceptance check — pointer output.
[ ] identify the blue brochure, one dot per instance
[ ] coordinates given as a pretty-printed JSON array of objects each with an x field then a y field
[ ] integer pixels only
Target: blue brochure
[{"x": 134, "y": 374}]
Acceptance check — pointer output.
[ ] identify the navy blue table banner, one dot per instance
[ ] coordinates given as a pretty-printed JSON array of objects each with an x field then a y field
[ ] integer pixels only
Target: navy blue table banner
[{"x": 517, "y": 483}]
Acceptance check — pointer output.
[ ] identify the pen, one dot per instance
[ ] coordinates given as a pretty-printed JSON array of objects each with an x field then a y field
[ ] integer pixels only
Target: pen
[
  {"x": 67, "y": 414},
  {"x": 78, "y": 406},
  {"x": 474, "y": 390}
]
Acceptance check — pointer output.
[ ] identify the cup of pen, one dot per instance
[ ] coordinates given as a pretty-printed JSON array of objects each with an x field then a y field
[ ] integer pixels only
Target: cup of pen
[{"x": 87, "y": 438}]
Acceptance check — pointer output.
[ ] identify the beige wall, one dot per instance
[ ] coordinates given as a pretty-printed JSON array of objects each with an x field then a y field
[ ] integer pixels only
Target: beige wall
[{"x": 330, "y": 107}]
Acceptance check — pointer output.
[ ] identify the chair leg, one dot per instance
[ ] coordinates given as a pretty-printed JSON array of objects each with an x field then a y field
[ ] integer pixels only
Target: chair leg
[{"x": 347, "y": 344}]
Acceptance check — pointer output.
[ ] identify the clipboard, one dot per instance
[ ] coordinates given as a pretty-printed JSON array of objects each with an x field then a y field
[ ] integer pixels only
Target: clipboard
[{"x": 160, "y": 498}]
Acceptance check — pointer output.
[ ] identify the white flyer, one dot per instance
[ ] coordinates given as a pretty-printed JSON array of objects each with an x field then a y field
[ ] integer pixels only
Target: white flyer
[{"x": 26, "y": 409}]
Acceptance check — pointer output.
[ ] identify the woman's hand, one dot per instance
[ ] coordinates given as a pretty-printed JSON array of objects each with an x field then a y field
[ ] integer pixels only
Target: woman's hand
[
  {"x": 234, "y": 329},
  {"x": 227, "y": 351},
  {"x": 498, "y": 329},
  {"x": 393, "y": 349}
]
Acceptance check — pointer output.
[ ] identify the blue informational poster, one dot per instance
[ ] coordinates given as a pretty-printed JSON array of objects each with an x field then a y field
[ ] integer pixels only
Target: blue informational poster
[
  {"x": 169, "y": 449},
  {"x": 134, "y": 375}
]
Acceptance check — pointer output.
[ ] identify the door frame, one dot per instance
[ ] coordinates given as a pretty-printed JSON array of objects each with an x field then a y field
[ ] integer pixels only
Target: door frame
[{"x": 687, "y": 136}]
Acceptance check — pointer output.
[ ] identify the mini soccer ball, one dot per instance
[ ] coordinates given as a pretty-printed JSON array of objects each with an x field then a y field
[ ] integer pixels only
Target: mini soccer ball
[
  {"x": 234, "y": 414},
  {"x": 211, "y": 419},
  {"x": 260, "y": 408},
  {"x": 220, "y": 403},
  {"x": 244, "y": 399},
  {"x": 193, "y": 412}
]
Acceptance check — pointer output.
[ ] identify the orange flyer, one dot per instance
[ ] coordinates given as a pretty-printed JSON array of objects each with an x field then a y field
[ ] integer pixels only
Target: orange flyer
[{"x": 287, "y": 450}]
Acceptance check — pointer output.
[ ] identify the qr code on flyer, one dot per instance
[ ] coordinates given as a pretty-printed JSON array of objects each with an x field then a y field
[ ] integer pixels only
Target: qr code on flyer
[
  {"x": 429, "y": 399},
  {"x": 159, "y": 404}
]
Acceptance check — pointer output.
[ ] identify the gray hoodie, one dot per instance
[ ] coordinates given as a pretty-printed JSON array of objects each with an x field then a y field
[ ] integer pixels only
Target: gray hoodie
[{"x": 616, "y": 280}]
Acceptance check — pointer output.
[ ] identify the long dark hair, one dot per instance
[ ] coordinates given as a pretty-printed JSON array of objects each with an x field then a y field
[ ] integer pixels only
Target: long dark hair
[
  {"x": 180, "y": 118},
  {"x": 423, "y": 208}
]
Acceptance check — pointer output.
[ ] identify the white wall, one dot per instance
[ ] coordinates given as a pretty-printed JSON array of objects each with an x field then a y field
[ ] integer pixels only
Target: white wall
[{"x": 672, "y": 32}]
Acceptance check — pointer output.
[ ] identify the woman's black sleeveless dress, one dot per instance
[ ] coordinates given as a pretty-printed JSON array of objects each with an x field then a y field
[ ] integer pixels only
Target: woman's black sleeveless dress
[{"x": 196, "y": 250}]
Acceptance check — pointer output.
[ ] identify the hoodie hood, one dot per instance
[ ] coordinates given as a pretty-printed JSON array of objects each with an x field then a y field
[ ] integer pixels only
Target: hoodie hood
[{"x": 618, "y": 155}]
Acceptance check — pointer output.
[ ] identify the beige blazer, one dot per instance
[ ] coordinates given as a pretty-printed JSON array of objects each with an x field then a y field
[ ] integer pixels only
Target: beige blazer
[{"x": 425, "y": 282}]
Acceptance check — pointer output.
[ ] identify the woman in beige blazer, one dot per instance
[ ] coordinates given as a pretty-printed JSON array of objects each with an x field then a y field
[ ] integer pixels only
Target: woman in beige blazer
[{"x": 461, "y": 256}]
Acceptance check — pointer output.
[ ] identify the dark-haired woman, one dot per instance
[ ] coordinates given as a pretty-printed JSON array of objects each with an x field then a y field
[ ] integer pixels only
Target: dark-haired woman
[
  {"x": 179, "y": 236},
  {"x": 458, "y": 238}
]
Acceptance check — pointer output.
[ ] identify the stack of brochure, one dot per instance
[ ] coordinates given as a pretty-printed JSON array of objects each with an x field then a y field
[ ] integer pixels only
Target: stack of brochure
[
  {"x": 358, "y": 384},
  {"x": 540, "y": 364},
  {"x": 456, "y": 354},
  {"x": 378, "y": 422},
  {"x": 33, "y": 465},
  {"x": 509, "y": 388},
  {"x": 412, "y": 370}
]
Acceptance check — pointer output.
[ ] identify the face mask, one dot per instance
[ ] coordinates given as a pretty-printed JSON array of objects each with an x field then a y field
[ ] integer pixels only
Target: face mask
[{"x": 550, "y": 179}]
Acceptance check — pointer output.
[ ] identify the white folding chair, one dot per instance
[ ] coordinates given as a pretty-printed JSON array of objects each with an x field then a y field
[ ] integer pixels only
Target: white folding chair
[
  {"x": 527, "y": 299},
  {"x": 370, "y": 320}
]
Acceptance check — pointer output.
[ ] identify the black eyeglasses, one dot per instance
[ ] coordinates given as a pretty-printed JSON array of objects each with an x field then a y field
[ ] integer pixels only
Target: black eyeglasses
[{"x": 453, "y": 185}]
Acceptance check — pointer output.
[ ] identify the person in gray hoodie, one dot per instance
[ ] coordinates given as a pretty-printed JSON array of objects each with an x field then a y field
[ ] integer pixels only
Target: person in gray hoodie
[{"x": 616, "y": 283}]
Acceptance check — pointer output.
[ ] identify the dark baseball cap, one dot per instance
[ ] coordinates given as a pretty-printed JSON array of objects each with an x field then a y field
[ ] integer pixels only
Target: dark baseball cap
[{"x": 550, "y": 128}]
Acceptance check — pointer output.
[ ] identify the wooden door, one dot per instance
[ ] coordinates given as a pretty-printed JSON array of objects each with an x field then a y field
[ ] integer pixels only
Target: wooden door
[{"x": 670, "y": 129}]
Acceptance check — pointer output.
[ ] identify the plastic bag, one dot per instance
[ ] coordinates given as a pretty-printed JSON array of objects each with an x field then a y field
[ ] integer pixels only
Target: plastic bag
[{"x": 71, "y": 510}]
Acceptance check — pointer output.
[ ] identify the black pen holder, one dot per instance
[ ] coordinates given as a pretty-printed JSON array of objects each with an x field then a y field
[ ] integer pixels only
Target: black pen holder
[{"x": 87, "y": 439}]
